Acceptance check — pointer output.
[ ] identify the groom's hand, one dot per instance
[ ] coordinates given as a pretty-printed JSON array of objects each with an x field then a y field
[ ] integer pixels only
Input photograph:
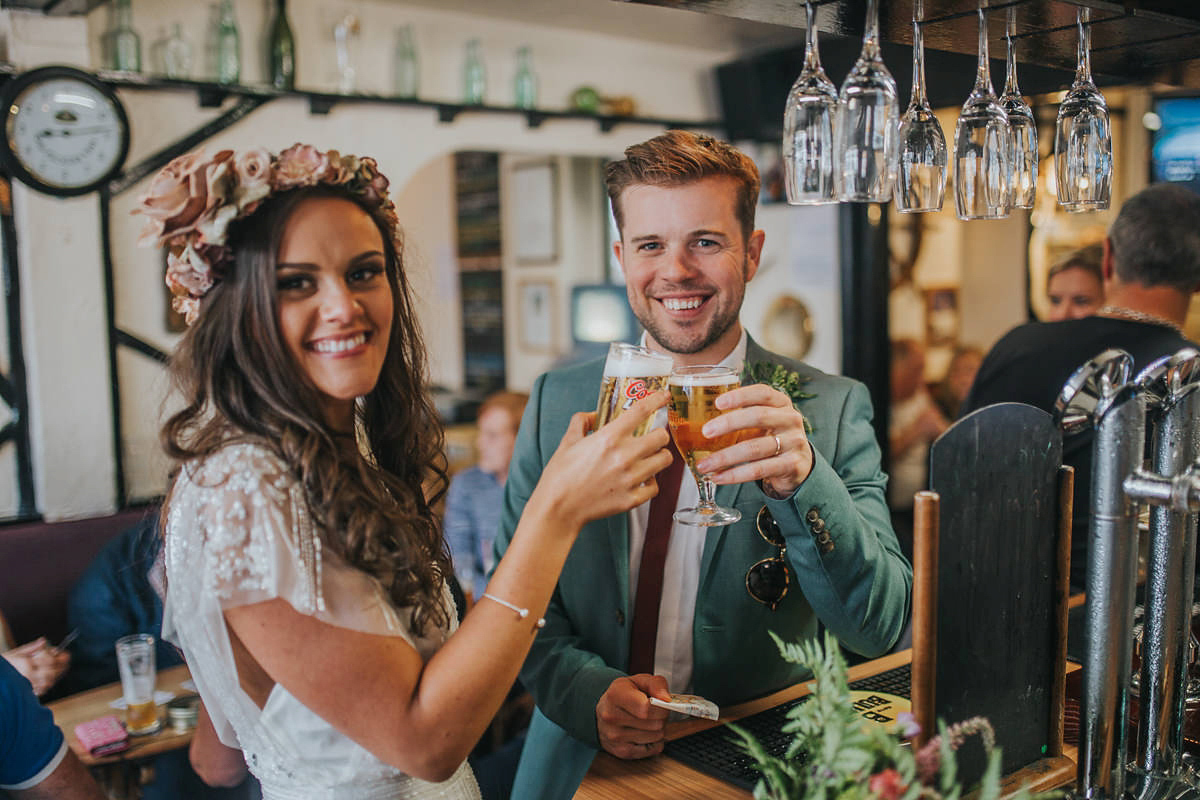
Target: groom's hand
[{"x": 628, "y": 725}]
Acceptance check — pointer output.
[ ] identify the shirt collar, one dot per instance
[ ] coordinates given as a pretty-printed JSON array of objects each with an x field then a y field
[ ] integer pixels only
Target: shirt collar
[{"x": 736, "y": 358}]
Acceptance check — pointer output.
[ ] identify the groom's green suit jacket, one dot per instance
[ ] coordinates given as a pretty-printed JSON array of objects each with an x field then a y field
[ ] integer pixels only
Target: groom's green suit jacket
[{"x": 847, "y": 573}]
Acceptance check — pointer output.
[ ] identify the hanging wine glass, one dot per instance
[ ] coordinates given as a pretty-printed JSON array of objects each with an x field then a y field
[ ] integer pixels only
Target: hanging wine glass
[
  {"x": 1083, "y": 138},
  {"x": 868, "y": 118},
  {"x": 808, "y": 128},
  {"x": 982, "y": 140},
  {"x": 1024, "y": 155},
  {"x": 921, "y": 177}
]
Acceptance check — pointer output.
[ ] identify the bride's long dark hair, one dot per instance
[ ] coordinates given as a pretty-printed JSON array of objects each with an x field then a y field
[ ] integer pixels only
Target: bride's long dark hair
[{"x": 239, "y": 383}]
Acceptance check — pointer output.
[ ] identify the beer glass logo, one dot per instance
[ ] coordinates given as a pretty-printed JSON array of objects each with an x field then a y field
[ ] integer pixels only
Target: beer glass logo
[{"x": 635, "y": 390}]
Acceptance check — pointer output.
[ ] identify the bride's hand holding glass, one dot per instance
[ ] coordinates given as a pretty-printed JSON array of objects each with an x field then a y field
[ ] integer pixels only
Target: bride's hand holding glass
[{"x": 609, "y": 471}]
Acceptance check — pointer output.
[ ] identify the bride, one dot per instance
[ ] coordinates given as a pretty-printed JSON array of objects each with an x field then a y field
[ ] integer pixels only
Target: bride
[{"x": 305, "y": 570}]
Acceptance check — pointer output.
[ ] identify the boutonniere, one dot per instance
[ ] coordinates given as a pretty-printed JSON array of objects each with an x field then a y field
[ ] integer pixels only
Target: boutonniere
[{"x": 785, "y": 380}]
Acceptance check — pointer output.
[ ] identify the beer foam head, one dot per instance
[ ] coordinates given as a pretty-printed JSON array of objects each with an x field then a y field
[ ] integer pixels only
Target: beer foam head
[
  {"x": 635, "y": 362},
  {"x": 713, "y": 376}
]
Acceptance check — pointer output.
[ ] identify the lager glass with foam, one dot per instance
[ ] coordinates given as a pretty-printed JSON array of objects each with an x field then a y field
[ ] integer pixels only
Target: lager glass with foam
[
  {"x": 630, "y": 373},
  {"x": 135, "y": 663},
  {"x": 694, "y": 393}
]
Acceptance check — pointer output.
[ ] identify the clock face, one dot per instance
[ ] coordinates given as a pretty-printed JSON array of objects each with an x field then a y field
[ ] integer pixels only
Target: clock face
[{"x": 64, "y": 134}]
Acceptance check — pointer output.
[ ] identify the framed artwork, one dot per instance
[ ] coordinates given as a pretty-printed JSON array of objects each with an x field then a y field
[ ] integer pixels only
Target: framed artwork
[
  {"x": 536, "y": 315},
  {"x": 535, "y": 214}
]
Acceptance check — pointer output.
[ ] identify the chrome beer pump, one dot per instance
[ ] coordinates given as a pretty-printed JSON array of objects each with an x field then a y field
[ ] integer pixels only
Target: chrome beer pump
[{"x": 1167, "y": 393}]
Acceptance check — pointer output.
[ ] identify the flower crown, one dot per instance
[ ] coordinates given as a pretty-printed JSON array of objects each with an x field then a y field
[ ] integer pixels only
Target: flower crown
[{"x": 192, "y": 200}]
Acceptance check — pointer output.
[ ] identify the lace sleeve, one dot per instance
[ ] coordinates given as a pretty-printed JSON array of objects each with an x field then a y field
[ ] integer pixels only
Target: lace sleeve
[{"x": 239, "y": 532}]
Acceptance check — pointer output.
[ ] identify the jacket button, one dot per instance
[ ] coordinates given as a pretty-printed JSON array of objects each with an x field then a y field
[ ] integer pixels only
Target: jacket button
[
  {"x": 818, "y": 526},
  {"x": 620, "y": 617},
  {"x": 813, "y": 515}
]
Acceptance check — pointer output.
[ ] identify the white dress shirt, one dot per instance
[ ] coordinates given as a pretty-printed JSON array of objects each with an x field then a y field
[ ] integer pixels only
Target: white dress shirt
[{"x": 681, "y": 572}]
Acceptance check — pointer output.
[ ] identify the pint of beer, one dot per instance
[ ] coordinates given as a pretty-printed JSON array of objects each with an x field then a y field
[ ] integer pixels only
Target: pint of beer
[
  {"x": 630, "y": 373},
  {"x": 135, "y": 663},
  {"x": 694, "y": 393}
]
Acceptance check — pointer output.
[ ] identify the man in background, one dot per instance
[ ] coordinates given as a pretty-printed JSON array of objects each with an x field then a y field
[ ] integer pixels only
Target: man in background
[{"x": 1151, "y": 268}]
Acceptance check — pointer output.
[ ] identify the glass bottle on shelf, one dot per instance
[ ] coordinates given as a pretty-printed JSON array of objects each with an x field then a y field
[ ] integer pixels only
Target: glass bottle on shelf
[
  {"x": 282, "y": 49},
  {"x": 474, "y": 76},
  {"x": 525, "y": 83},
  {"x": 229, "y": 56},
  {"x": 177, "y": 54},
  {"x": 125, "y": 42},
  {"x": 407, "y": 76}
]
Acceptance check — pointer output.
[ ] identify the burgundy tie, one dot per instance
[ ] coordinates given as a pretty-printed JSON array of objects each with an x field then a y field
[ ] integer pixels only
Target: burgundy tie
[{"x": 644, "y": 629}]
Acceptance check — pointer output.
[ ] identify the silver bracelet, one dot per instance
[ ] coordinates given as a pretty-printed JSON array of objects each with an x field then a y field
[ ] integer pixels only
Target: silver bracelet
[{"x": 521, "y": 612}]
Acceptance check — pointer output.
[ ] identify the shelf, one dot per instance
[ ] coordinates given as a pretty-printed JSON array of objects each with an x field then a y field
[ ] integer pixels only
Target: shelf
[
  {"x": 212, "y": 95},
  {"x": 1132, "y": 40}
]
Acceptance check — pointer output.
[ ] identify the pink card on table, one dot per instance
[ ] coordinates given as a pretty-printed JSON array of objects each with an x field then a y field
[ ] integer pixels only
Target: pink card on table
[{"x": 102, "y": 736}]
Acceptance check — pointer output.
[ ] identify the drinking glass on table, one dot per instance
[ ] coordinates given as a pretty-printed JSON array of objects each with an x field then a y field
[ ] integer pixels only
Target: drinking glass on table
[
  {"x": 630, "y": 373},
  {"x": 694, "y": 393},
  {"x": 135, "y": 662}
]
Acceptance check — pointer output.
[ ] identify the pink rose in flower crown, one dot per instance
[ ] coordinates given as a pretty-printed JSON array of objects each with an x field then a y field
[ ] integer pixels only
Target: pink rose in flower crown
[
  {"x": 253, "y": 170},
  {"x": 182, "y": 195},
  {"x": 171, "y": 201},
  {"x": 299, "y": 165},
  {"x": 189, "y": 272}
]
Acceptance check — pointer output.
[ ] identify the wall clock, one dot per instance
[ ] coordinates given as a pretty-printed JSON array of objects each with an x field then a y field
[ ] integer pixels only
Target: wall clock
[{"x": 65, "y": 132}]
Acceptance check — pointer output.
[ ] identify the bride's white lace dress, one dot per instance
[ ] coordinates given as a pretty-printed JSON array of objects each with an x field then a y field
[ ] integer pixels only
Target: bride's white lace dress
[{"x": 239, "y": 532}]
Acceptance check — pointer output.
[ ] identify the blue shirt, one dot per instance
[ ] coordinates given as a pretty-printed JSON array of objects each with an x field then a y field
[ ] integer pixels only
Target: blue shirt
[
  {"x": 473, "y": 505},
  {"x": 31, "y": 745}
]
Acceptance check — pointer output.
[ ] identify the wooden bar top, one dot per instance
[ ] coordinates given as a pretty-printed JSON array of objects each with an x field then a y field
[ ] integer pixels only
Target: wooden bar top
[
  {"x": 70, "y": 711},
  {"x": 660, "y": 776}
]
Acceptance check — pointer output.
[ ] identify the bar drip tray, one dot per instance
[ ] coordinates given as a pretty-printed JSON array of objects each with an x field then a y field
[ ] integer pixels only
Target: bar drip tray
[{"x": 717, "y": 751}]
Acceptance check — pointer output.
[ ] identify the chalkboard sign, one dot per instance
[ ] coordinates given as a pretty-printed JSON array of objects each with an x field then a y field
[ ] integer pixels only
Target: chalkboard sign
[{"x": 998, "y": 641}]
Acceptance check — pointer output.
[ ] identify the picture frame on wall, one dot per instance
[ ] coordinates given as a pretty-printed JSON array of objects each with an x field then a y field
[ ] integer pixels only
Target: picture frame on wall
[
  {"x": 536, "y": 316},
  {"x": 535, "y": 215}
]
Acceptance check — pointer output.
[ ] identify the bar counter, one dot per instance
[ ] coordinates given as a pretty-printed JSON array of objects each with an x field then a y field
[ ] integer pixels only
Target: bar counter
[{"x": 660, "y": 776}]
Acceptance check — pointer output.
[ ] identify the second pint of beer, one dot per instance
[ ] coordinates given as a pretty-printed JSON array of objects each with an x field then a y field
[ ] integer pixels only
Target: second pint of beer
[{"x": 630, "y": 373}]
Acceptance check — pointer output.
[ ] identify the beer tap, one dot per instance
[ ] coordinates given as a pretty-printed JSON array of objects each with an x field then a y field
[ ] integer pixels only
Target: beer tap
[
  {"x": 1099, "y": 394},
  {"x": 1171, "y": 386}
]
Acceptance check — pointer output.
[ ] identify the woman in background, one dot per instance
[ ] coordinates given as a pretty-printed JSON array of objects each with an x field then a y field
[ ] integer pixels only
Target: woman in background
[
  {"x": 305, "y": 573},
  {"x": 1075, "y": 285}
]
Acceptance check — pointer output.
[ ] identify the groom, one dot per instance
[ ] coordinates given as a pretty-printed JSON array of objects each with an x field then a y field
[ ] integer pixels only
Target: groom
[{"x": 645, "y": 606}]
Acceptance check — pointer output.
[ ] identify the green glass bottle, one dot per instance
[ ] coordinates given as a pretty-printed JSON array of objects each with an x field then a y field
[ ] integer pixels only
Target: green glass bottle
[
  {"x": 125, "y": 42},
  {"x": 283, "y": 49},
  {"x": 525, "y": 83},
  {"x": 474, "y": 76},
  {"x": 229, "y": 55}
]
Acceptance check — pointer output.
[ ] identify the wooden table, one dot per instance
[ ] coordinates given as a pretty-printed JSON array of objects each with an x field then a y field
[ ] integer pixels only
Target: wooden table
[
  {"x": 660, "y": 776},
  {"x": 77, "y": 708}
]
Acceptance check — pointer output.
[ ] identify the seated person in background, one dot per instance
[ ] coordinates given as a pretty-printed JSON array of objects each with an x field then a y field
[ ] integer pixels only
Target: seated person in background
[
  {"x": 41, "y": 663},
  {"x": 1151, "y": 268},
  {"x": 117, "y": 596},
  {"x": 951, "y": 391},
  {"x": 1075, "y": 285},
  {"x": 476, "y": 494},
  {"x": 35, "y": 762},
  {"x": 914, "y": 421}
]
